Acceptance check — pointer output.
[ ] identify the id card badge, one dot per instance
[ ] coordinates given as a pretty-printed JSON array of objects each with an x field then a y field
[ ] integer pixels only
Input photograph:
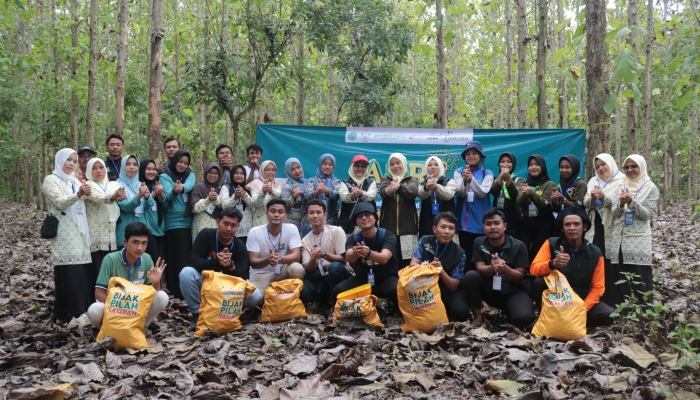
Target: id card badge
[
  {"x": 79, "y": 207},
  {"x": 370, "y": 278},
  {"x": 532, "y": 210},
  {"x": 629, "y": 217},
  {"x": 470, "y": 197},
  {"x": 185, "y": 196},
  {"x": 319, "y": 263},
  {"x": 278, "y": 269},
  {"x": 239, "y": 206},
  {"x": 210, "y": 209},
  {"x": 138, "y": 211},
  {"x": 496, "y": 283},
  {"x": 500, "y": 202},
  {"x": 155, "y": 206},
  {"x": 435, "y": 208},
  {"x": 598, "y": 203}
]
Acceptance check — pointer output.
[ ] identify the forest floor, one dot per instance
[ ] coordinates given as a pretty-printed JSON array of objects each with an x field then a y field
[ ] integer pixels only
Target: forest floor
[{"x": 310, "y": 358}]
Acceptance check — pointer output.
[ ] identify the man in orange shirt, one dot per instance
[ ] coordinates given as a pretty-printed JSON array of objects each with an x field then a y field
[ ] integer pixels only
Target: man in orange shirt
[{"x": 579, "y": 260}]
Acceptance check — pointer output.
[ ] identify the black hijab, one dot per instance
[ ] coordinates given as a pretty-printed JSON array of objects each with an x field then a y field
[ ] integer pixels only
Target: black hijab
[
  {"x": 172, "y": 168},
  {"x": 234, "y": 185},
  {"x": 512, "y": 160},
  {"x": 201, "y": 190},
  {"x": 543, "y": 176},
  {"x": 151, "y": 185},
  {"x": 575, "y": 170}
]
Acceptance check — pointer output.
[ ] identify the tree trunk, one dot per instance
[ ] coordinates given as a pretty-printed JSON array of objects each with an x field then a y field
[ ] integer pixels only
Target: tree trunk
[
  {"x": 92, "y": 72},
  {"x": 542, "y": 118},
  {"x": 563, "y": 90},
  {"x": 331, "y": 95},
  {"x": 155, "y": 93},
  {"x": 522, "y": 48},
  {"x": 121, "y": 65},
  {"x": 73, "y": 74},
  {"x": 300, "y": 73},
  {"x": 694, "y": 184},
  {"x": 440, "y": 44},
  {"x": 666, "y": 169},
  {"x": 597, "y": 77},
  {"x": 646, "y": 148},
  {"x": 618, "y": 133},
  {"x": 509, "y": 66},
  {"x": 176, "y": 59},
  {"x": 54, "y": 34},
  {"x": 632, "y": 141}
]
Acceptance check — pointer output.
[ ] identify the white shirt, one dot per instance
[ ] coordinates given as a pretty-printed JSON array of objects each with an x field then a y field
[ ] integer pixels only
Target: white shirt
[{"x": 260, "y": 240}]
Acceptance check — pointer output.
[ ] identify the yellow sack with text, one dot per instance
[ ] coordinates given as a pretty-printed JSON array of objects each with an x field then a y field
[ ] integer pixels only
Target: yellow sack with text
[
  {"x": 420, "y": 303},
  {"x": 282, "y": 301},
  {"x": 364, "y": 307},
  {"x": 563, "y": 314},
  {"x": 124, "y": 317},
  {"x": 222, "y": 302}
]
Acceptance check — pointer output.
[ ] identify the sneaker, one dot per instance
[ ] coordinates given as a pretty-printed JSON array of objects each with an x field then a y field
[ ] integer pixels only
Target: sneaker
[{"x": 193, "y": 321}]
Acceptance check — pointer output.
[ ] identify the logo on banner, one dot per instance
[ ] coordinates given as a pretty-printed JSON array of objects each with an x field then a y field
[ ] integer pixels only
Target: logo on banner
[{"x": 408, "y": 136}]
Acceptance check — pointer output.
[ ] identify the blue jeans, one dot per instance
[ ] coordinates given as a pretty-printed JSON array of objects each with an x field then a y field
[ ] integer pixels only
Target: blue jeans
[
  {"x": 317, "y": 288},
  {"x": 191, "y": 286}
]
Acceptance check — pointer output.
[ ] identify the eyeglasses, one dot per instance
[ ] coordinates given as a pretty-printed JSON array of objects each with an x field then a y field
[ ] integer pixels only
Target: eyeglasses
[
  {"x": 363, "y": 214},
  {"x": 86, "y": 156},
  {"x": 629, "y": 167},
  {"x": 361, "y": 166},
  {"x": 213, "y": 172}
]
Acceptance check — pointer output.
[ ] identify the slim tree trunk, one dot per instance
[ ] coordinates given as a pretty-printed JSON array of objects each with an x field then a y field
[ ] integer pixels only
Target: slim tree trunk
[
  {"x": 694, "y": 184},
  {"x": 54, "y": 46},
  {"x": 176, "y": 59},
  {"x": 331, "y": 94},
  {"x": 300, "y": 71},
  {"x": 522, "y": 48},
  {"x": 542, "y": 118},
  {"x": 121, "y": 65},
  {"x": 73, "y": 74},
  {"x": 632, "y": 141},
  {"x": 596, "y": 75},
  {"x": 666, "y": 169},
  {"x": 92, "y": 72},
  {"x": 563, "y": 90},
  {"x": 646, "y": 147},
  {"x": 618, "y": 134},
  {"x": 509, "y": 66},
  {"x": 441, "y": 83},
  {"x": 154, "y": 89}
]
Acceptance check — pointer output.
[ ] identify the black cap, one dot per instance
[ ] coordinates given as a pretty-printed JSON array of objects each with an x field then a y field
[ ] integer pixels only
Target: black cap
[
  {"x": 88, "y": 148},
  {"x": 559, "y": 222},
  {"x": 476, "y": 145},
  {"x": 362, "y": 207}
]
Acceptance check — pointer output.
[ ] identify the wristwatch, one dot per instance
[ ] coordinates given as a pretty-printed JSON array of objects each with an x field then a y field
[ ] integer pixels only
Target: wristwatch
[{"x": 323, "y": 255}]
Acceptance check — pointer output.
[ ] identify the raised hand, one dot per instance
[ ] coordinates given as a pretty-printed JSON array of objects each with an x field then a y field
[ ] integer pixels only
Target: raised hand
[
  {"x": 240, "y": 192},
  {"x": 212, "y": 195},
  {"x": 526, "y": 190},
  {"x": 498, "y": 265},
  {"x": 155, "y": 273},
  {"x": 430, "y": 184},
  {"x": 143, "y": 190},
  {"x": 625, "y": 196},
  {"x": 356, "y": 192},
  {"x": 467, "y": 174},
  {"x": 85, "y": 188},
  {"x": 224, "y": 258},
  {"x": 267, "y": 187},
  {"x": 296, "y": 192},
  {"x": 316, "y": 251},
  {"x": 321, "y": 189},
  {"x": 597, "y": 193},
  {"x": 274, "y": 257},
  {"x": 562, "y": 259},
  {"x": 178, "y": 187}
]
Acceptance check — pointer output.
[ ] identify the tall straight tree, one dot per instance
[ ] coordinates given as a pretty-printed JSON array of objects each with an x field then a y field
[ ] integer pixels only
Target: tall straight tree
[
  {"x": 646, "y": 147},
  {"x": 92, "y": 72},
  {"x": 441, "y": 82},
  {"x": 632, "y": 140},
  {"x": 542, "y": 116},
  {"x": 597, "y": 77},
  {"x": 121, "y": 65},
  {"x": 694, "y": 184},
  {"x": 74, "y": 74},
  {"x": 154, "y": 87},
  {"x": 563, "y": 90},
  {"x": 509, "y": 65},
  {"x": 522, "y": 49}
]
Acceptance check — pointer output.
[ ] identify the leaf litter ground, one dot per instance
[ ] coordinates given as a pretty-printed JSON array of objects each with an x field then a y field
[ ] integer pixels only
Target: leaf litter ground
[{"x": 313, "y": 359}]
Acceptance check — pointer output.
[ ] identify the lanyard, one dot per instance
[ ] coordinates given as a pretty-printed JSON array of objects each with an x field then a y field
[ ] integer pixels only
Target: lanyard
[
  {"x": 320, "y": 239},
  {"x": 277, "y": 247},
  {"x": 567, "y": 189},
  {"x": 609, "y": 180},
  {"x": 115, "y": 166},
  {"x": 104, "y": 189},
  {"x": 435, "y": 197},
  {"x": 367, "y": 241},
  {"x": 505, "y": 191},
  {"x": 437, "y": 248},
  {"x": 128, "y": 186},
  {"x": 128, "y": 266},
  {"x": 640, "y": 189},
  {"x": 230, "y": 249},
  {"x": 72, "y": 185}
]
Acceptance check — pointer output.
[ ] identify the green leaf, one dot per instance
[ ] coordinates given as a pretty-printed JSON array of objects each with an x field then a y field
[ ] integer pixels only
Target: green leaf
[
  {"x": 686, "y": 97},
  {"x": 610, "y": 104},
  {"x": 535, "y": 89},
  {"x": 655, "y": 91},
  {"x": 673, "y": 66},
  {"x": 623, "y": 32},
  {"x": 625, "y": 65},
  {"x": 615, "y": 23},
  {"x": 187, "y": 112},
  {"x": 559, "y": 55}
]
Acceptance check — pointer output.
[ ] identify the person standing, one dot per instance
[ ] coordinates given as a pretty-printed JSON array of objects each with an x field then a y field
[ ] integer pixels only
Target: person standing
[
  {"x": 324, "y": 186},
  {"x": 263, "y": 190},
  {"x": 538, "y": 221},
  {"x": 473, "y": 186},
  {"x": 85, "y": 154},
  {"x": 224, "y": 156},
  {"x": 294, "y": 193},
  {"x": 102, "y": 214},
  {"x": 171, "y": 146},
  {"x": 252, "y": 171},
  {"x": 505, "y": 191},
  {"x": 399, "y": 216},
  {"x": 155, "y": 214},
  {"x": 437, "y": 193},
  {"x": 571, "y": 189},
  {"x": 205, "y": 200},
  {"x": 137, "y": 199},
  {"x": 70, "y": 249},
  {"x": 236, "y": 195},
  {"x": 177, "y": 185},
  {"x": 115, "y": 148},
  {"x": 358, "y": 187},
  {"x": 630, "y": 247}
]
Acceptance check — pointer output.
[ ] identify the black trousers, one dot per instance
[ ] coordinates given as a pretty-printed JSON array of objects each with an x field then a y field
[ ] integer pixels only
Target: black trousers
[
  {"x": 384, "y": 289},
  {"x": 466, "y": 242},
  {"x": 178, "y": 246},
  {"x": 517, "y": 306},
  {"x": 456, "y": 306},
  {"x": 598, "y": 315},
  {"x": 93, "y": 271},
  {"x": 317, "y": 288},
  {"x": 71, "y": 291},
  {"x": 534, "y": 231}
]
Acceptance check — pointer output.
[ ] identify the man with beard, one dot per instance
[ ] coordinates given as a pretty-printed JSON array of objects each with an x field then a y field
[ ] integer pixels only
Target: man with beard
[
  {"x": 224, "y": 155},
  {"x": 501, "y": 263},
  {"x": 115, "y": 147}
]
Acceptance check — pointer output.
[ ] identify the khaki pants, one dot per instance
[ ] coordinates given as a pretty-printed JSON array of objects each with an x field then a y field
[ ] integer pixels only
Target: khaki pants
[{"x": 288, "y": 271}]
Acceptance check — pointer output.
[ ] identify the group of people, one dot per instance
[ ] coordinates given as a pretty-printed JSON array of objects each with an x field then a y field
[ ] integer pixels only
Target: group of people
[{"x": 496, "y": 235}]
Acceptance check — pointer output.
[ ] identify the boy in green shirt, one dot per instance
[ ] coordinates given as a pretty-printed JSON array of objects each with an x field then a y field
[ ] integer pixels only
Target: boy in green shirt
[{"x": 133, "y": 264}]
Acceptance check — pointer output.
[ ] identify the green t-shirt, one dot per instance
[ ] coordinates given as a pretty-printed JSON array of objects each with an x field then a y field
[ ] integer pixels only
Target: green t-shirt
[{"x": 115, "y": 265}]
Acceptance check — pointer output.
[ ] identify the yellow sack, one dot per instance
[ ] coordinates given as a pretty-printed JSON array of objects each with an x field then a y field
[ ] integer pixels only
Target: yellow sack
[
  {"x": 126, "y": 308},
  {"x": 282, "y": 301},
  {"x": 419, "y": 298},
  {"x": 365, "y": 307},
  {"x": 222, "y": 302},
  {"x": 563, "y": 314}
]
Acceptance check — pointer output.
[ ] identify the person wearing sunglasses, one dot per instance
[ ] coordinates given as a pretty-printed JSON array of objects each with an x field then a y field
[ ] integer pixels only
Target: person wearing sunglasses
[
  {"x": 630, "y": 247},
  {"x": 357, "y": 188}
]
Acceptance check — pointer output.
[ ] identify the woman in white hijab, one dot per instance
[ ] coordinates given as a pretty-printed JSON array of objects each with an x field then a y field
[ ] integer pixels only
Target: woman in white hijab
[
  {"x": 102, "y": 214},
  {"x": 437, "y": 193},
  {"x": 630, "y": 246},
  {"x": 70, "y": 249}
]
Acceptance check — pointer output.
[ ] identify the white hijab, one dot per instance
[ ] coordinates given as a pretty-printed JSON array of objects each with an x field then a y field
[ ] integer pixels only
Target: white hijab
[
  {"x": 107, "y": 211},
  {"x": 440, "y": 164},
  {"x": 609, "y": 184},
  {"x": 642, "y": 184},
  {"x": 404, "y": 165},
  {"x": 80, "y": 218}
]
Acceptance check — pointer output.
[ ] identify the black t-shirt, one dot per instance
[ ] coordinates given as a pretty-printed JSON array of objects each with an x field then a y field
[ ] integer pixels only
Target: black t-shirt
[
  {"x": 205, "y": 248},
  {"x": 382, "y": 239},
  {"x": 113, "y": 167},
  {"x": 513, "y": 252}
]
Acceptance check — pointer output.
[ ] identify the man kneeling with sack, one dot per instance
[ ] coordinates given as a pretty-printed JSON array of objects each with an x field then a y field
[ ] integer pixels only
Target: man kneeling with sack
[{"x": 580, "y": 261}]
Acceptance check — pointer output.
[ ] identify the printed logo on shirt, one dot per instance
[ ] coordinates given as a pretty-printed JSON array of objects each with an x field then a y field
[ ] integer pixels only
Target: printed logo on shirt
[{"x": 140, "y": 274}]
